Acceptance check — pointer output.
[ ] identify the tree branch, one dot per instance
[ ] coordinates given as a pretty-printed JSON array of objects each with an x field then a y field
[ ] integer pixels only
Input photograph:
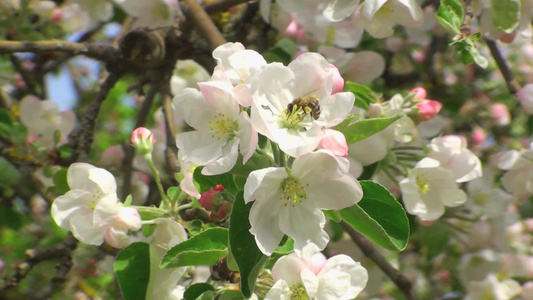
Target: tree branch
[
  {"x": 104, "y": 53},
  {"x": 203, "y": 22},
  {"x": 85, "y": 134},
  {"x": 403, "y": 284},
  {"x": 38, "y": 255},
  {"x": 512, "y": 84}
]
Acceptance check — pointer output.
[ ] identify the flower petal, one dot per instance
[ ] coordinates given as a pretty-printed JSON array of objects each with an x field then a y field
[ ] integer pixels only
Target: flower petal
[
  {"x": 65, "y": 207},
  {"x": 264, "y": 218},
  {"x": 304, "y": 224}
]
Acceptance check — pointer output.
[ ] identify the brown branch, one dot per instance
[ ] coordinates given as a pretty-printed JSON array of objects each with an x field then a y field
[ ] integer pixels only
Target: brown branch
[
  {"x": 85, "y": 134},
  {"x": 171, "y": 150},
  {"x": 203, "y": 22},
  {"x": 512, "y": 84},
  {"x": 403, "y": 284},
  {"x": 100, "y": 52},
  {"x": 28, "y": 77},
  {"x": 129, "y": 150},
  {"x": 38, "y": 255},
  {"x": 222, "y": 5}
]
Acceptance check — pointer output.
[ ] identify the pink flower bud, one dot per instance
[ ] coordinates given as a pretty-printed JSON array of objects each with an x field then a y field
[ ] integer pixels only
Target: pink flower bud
[
  {"x": 208, "y": 199},
  {"x": 128, "y": 218},
  {"x": 478, "y": 136},
  {"x": 316, "y": 262},
  {"x": 143, "y": 140},
  {"x": 223, "y": 210},
  {"x": 525, "y": 96},
  {"x": 427, "y": 109},
  {"x": 56, "y": 15},
  {"x": 420, "y": 93},
  {"x": 338, "y": 81},
  {"x": 334, "y": 141},
  {"x": 500, "y": 114},
  {"x": 219, "y": 188}
]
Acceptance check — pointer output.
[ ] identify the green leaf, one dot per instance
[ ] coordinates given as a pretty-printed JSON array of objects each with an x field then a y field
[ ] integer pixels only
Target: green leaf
[
  {"x": 450, "y": 15},
  {"x": 334, "y": 215},
  {"x": 231, "y": 295},
  {"x": 256, "y": 162},
  {"x": 243, "y": 247},
  {"x": 283, "y": 52},
  {"x": 364, "y": 128},
  {"x": 379, "y": 217},
  {"x": 9, "y": 174},
  {"x": 132, "y": 268},
  {"x": 10, "y": 218},
  {"x": 208, "y": 182},
  {"x": 19, "y": 133},
  {"x": 287, "y": 247},
  {"x": 5, "y": 117},
  {"x": 150, "y": 213},
  {"x": 506, "y": 14},
  {"x": 205, "y": 248},
  {"x": 197, "y": 289},
  {"x": 468, "y": 52},
  {"x": 364, "y": 96}
]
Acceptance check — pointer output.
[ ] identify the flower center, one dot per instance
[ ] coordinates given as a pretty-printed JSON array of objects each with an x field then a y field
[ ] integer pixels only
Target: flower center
[
  {"x": 422, "y": 184},
  {"x": 293, "y": 191},
  {"x": 481, "y": 198},
  {"x": 298, "y": 292},
  {"x": 301, "y": 112},
  {"x": 223, "y": 127}
]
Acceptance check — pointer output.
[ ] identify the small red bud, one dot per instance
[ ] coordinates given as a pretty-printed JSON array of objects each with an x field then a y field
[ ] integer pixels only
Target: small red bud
[{"x": 219, "y": 188}]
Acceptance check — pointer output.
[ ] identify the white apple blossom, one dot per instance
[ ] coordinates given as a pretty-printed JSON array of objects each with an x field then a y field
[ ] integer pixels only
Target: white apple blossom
[
  {"x": 162, "y": 284},
  {"x": 429, "y": 188},
  {"x": 519, "y": 166},
  {"x": 338, "y": 277},
  {"x": 90, "y": 209},
  {"x": 43, "y": 118},
  {"x": 82, "y": 15},
  {"x": 152, "y": 13},
  {"x": 307, "y": 79},
  {"x": 333, "y": 10},
  {"x": 221, "y": 128},
  {"x": 187, "y": 74},
  {"x": 492, "y": 288},
  {"x": 451, "y": 152},
  {"x": 361, "y": 66},
  {"x": 236, "y": 64},
  {"x": 485, "y": 199},
  {"x": 380, "y": 16},
  {"x": 290, "y": 201}
]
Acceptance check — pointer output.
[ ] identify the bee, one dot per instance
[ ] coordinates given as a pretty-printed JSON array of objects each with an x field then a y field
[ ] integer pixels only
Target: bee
[{"x": 309, "y": 105}]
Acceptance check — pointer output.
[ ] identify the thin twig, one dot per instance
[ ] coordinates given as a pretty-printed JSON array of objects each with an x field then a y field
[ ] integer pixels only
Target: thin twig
[
  {"x": 85, "y": 135},
  {"x": 512, "y": 84},
  {"x": 203, "y": 22},
  {"x": 28, "y": 78},
  {"x": 129, "y": 151},
  {"x": 403, "y": 284},
  {"x": 100, "y": 52},
  {"x": 38, "y": 255}
]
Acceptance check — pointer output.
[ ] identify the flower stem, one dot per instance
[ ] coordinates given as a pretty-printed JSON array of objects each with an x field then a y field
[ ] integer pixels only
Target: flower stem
[{"x": 167, "y": 202}]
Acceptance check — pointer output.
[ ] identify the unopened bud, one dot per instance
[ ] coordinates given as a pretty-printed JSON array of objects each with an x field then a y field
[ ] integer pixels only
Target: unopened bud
[
  {"x": 420, "y": 93},
  {"x": 143, "y": 140},
  {"x": 427, "y": 109},
  {"x": 208, "y": 199},
  {"x": 219, "y": 188}
]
